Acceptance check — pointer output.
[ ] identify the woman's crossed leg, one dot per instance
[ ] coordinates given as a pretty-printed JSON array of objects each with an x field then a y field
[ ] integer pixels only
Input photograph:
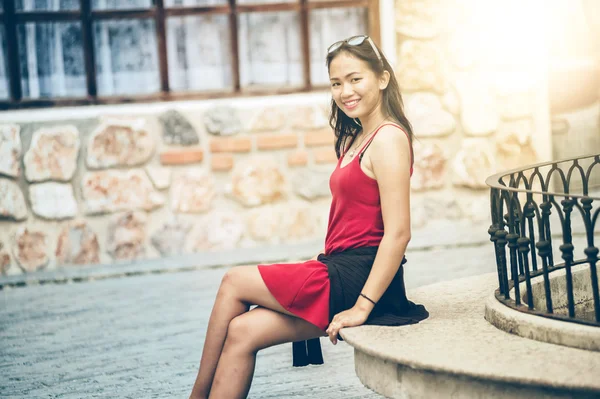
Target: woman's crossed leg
[{"x": 234, "y": 335}]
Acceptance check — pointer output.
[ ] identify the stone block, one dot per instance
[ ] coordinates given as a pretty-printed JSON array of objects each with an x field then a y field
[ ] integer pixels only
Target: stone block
[
  {"x": 53, "y": 200},
  {"x": 31, "y": 249},
  {"x": 127, "y": 236},
  {"x": 268, "y": 120},
  {"x": 77, "y": 245},
  {"x": 479, "y": 107},
  {"x": 4, "y": 259},
  {"x": 514, "y": 145},
  {"x": 112, "y": 191},
  {"x": 170, "y": 239},
  {"x": 451, "y": 102},
  {"x": 516, "y": 105},
  {"x": 120, "y": 142},
  {"x": 52, "y": 154},
  {"x": 419, "y": 67},
  {"x": 307, "y": 118},
  {"x": 222, "y": 121},
  {"x": 161, "y": 177},
  {"x": 220, "y": 230},
  {"x": 12, "y": 201},
  {"x": 192, "y": 191},
  {"x": 429, "y": 167},
  {"x": 417, "y": 19},
  {"x": 311, "y": 184},
  {"x": 177, "y": 130},
  {"x": 462, "y": 49},
  {"x": 473, "y": 164},
  {"x": 257, "y": 181},
  {"x": 428, "y": 118},
  {"x": 10, "y": 150},
  {"x": 298, "y": 222},
  {"x": 263, "y": 223}
]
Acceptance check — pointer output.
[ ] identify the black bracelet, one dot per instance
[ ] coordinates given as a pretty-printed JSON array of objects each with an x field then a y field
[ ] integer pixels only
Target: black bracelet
[{"x": 367, "y": 298}]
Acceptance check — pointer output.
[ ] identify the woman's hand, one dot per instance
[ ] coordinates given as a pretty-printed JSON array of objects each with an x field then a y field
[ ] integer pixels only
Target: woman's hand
[{"x": 348, "y": 318}]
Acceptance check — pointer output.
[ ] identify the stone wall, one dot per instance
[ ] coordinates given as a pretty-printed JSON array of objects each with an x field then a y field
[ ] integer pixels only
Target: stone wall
[
  {"x": 114, "y": 184},
  {"x": 476, "y": 93},
  {"x": 110, "y": 184}
]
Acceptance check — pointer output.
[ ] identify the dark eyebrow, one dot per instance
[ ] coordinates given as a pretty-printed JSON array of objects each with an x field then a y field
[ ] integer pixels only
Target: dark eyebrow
[{"x": 351, "y": 73}]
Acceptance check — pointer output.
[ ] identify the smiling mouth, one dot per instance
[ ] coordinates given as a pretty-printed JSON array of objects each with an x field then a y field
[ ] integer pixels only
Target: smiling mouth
[{"x": 351, "y": 104}]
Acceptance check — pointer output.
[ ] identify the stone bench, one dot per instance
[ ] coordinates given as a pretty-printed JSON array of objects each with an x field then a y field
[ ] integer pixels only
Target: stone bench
[{"x": 457, "y": 353}]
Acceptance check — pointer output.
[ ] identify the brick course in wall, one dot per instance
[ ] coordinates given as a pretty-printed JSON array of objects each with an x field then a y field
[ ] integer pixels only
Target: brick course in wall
[
  {"x": 276, "y": 141},
  {"x": 221, "y": 162},
  {"x": 231, "y": 144},
  {"x": 181, "y": 157},
  {"x": 319, "y": 138},
  {"x": 324, "y": 155},
  {"x": 297, "y": 158}
]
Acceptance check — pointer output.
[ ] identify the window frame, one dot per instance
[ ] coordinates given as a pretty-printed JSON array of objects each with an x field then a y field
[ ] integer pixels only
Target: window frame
[{"x": 159, "y": 13}]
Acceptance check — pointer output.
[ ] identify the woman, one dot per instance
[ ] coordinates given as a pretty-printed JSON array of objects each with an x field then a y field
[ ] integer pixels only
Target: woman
[{"x": 358, "y": 278}]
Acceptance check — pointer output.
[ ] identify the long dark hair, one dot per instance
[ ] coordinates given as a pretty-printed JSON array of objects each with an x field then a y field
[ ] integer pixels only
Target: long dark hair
[{"x": 345, "y": 127}]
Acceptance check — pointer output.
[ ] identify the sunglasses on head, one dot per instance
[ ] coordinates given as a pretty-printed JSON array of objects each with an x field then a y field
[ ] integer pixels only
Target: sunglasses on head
[{"x": 355, "y": 41}]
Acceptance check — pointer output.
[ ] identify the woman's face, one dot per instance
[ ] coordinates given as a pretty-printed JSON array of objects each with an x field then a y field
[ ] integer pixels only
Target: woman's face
[{"x": 354, "y": 86}]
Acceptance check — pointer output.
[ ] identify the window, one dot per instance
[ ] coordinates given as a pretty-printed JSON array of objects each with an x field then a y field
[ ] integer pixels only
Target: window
[{"x": 69, "y": 52}]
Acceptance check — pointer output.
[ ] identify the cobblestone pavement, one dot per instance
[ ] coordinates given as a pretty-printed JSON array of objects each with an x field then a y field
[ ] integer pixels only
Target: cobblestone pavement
[{"x": 141, "y": 336}]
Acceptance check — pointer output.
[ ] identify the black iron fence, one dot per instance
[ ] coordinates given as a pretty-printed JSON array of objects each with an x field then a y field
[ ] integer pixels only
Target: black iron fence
[{"x": 541, "y": 213}]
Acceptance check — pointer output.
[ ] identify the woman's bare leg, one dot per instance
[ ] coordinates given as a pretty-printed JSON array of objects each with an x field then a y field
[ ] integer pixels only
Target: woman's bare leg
[
  {"x": 241, "y": 287},
  {"x": 247, "y": 334}
]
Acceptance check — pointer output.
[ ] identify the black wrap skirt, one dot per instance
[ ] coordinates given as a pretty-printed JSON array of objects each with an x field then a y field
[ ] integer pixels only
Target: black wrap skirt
[{"x": 348, "y": 271}]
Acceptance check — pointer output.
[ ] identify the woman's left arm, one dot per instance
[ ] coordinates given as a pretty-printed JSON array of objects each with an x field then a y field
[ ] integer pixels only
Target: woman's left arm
[{"x": 390, "y": 158}]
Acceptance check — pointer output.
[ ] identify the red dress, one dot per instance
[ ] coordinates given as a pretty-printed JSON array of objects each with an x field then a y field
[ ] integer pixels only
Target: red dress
[{"x": 355, "y": 221}]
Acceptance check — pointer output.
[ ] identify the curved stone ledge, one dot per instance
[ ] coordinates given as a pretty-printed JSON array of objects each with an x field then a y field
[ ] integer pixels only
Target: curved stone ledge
[
  {"x": 544, "y": 329},
  {"x": 457, "y": 353},
  {"x": 541, "y": 328}
]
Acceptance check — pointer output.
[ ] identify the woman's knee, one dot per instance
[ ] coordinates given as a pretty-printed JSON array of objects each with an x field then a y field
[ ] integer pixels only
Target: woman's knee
[
  {"x": 230, "y": 280},
  {"x": 240, "y": 335}
]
